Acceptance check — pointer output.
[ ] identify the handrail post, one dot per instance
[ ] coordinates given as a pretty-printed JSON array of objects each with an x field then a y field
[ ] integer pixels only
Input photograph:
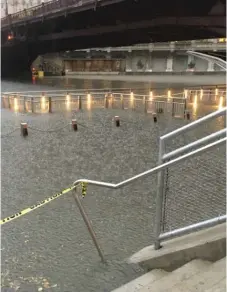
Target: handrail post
[
  {"x": 159, "y": 196},
  {"x": 88, "y": 224}
]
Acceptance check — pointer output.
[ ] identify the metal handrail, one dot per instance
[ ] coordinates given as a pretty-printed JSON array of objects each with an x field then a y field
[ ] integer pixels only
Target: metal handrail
[
  {"x": 193, "y": 227},
  {"x": 218, "y": 61},
  {"x": 194, "y": 124},
  {"x": 200, "y": 142},
  {"x": 153, "y": 170}
]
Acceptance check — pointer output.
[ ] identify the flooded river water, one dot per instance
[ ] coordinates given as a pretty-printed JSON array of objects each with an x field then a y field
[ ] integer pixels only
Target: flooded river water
[{"x": 50, "y": 248}]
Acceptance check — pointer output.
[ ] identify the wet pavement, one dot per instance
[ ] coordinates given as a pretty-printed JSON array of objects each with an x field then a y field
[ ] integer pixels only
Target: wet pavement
[{"x": 50, "y": 248}]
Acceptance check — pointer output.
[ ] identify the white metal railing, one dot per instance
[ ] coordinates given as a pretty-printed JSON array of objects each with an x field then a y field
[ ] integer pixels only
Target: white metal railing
[
  {"x": 181, "y": 45},
  {"x": 218, "y": 61}
]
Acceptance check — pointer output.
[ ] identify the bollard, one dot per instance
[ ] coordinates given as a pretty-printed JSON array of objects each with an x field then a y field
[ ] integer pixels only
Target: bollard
[
  {"x": 117, "y": 121},
  {"x": 187, "y": 114},
  {"x": 80, "y": 102},
  {"x": 50, "y": 104},
  {"x": 74, "y": 125},
  {"x": 24, "y": 129},
  {"x": 155, "y": 117}
]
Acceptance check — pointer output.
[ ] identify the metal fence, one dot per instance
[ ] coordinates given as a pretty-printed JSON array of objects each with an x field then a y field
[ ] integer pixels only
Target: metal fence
[
  {"x": 193, "y": 191},
  {"x": 71, "y": 101}
]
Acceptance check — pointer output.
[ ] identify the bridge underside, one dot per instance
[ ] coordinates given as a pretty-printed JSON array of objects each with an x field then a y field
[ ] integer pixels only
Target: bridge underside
[{"x": 126, "y": 23}]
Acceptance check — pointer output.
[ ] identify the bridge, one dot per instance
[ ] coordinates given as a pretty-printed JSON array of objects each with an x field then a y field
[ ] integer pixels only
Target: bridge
[{"x": 61, "y": 25}]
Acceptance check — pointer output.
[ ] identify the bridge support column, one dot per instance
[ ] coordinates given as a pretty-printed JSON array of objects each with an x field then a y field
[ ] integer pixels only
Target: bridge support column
[
  {"x": 210, "y": 67},
  {"x": 169, "y": 64}
]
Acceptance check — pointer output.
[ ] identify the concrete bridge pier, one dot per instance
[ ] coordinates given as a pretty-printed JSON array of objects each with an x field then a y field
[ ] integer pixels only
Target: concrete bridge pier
[{"x": 16, "y": 61}]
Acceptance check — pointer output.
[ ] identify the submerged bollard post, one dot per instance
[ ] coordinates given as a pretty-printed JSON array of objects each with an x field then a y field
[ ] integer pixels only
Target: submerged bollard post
[
  {"x": 117, "y": 121},
  {"x": 89, "y": 225},
  {"x": 74, "y": 125},
  {"x": 188, "y": 115},
  {"x": 155, "y": 117},
  {"x": 50, "y": 104},
  {"x": 24, "y": 129}
]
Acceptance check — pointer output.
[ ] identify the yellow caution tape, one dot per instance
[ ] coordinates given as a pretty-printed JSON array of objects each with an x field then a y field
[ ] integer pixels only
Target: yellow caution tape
[
  {"x": 84, "y": 189},
  {"x": 38, "y": 205}
]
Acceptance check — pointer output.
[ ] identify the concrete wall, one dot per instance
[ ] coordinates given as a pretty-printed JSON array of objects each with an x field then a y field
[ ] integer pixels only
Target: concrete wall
[
  {"x": 165, "y": 62},
  {"x": 136, "y": 61}
]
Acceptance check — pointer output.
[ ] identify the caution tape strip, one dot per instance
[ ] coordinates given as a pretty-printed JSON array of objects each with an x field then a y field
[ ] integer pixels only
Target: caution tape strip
[
  {"x": 84, "y": 189},
  {"x": 34, "y": 207}
]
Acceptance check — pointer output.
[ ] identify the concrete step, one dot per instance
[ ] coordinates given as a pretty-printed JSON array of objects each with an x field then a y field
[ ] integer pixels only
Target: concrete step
[
  {"x": 208, "y": 244},
  {"x": 214, "y": 275},
  {"x": 142, "y": 281},
  {"x": 180, "y": 275},
  {"x": 219, "y": 287}
]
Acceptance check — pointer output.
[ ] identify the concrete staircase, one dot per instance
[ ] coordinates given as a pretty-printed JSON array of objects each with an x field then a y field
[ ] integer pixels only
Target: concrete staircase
[
  {"x": 194, "y": 262},
  {"x": 195, "y": 276}
]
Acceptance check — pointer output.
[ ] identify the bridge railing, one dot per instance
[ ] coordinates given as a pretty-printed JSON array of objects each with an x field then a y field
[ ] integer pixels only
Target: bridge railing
[{"x": 42, "y": 9}]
